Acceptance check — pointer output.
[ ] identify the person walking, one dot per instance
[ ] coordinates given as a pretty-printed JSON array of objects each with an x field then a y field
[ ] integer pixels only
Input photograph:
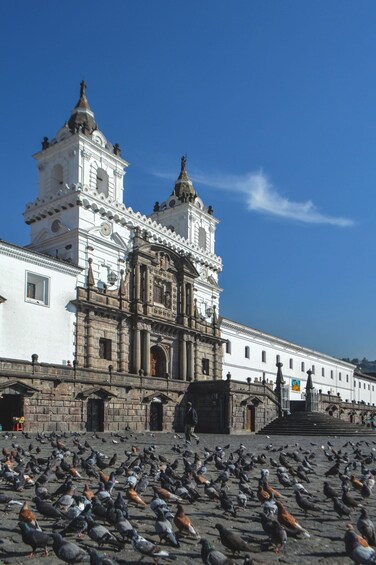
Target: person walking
[{"x": 190, "y": 422}]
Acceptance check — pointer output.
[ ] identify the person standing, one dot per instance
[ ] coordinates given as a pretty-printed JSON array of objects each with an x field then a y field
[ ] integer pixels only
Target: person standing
[{"x": 190, "y": 422}]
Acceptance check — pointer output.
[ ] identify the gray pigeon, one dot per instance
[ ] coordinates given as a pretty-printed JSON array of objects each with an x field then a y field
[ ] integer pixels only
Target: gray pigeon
[
  {"x": 146, "y": 547},
  {"x": 232, "y": 540},
  {"x": 164, "y": 529},
  {"x": 68, "y": 551},
  {"x": 366, "y": 527},
  {"x": 211, "y": 556}
]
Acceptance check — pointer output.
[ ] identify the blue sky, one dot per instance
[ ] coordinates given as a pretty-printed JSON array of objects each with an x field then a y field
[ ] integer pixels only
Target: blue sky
[{"x": 273, "y": 102}]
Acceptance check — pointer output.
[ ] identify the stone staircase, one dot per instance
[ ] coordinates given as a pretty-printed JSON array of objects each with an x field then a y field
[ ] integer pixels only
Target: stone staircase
[{"x": 314, "y": 424}]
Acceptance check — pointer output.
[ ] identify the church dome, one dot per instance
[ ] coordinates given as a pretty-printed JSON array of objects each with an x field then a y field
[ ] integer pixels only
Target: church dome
[
  {"x": 82, "y": 118},
  {"x": 184, "y": 189}
]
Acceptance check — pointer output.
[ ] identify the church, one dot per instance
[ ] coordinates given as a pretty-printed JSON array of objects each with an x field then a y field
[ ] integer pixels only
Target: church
[{"x": 111, "y": 319}]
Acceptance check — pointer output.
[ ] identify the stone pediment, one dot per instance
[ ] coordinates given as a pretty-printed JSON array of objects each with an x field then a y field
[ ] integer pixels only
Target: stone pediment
[
  {"x": 253, "y": 399},
  {"x": 102, "y": 392},
  {"x": 18, "y": 387},
  {"x": 158, "y": 397}
]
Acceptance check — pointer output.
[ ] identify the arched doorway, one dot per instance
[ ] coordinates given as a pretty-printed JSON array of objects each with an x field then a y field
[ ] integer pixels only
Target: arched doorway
[
  {"x": 156, "y": 415},
  {"x": 157, "y": 362}
]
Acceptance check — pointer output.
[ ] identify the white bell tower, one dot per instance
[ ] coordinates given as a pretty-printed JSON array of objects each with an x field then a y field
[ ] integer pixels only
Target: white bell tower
[
  {"x": 185, "y": 213},
  {"x": 79, "y": 160}
]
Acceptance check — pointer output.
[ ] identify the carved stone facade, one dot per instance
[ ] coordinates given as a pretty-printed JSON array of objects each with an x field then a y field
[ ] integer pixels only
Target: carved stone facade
[{"x": 149, "y": 325}]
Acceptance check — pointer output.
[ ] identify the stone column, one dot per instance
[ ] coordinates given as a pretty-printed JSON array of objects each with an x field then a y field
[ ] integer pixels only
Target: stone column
[
  {"x": 90, "y": 339},
  {"x": 197, "y": 361},
  {"x": 147, "y": 283},
  {"x": 182, "y": 298},
  {"x": 183, "y": 360},
  {"x": 146, "y": 352},
  {"x": 137, "y": 282},
  {"x": 217, "y": 372},
  {"x": 136, "y": 351},
  {"x": 122, "y": 348},
  {"x": 190, "y": 361}
]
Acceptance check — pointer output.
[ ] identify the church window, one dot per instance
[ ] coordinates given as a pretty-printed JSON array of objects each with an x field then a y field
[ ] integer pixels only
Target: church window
[
  {"x": 323, "y": 372},
  {"x": 364, "y": 386},
  {"x": 302, "y": 367},
  {"x": 188, "y": 299},
  {"x": 57, "y": 178},
  {"x": 263, "y": 356},
  {"x": 37, "y": 289},
  {"x": 228, "y": 347},
  {"x": 340, "y": 376},
  {"x": 205, "y": 366},
  {"x": 105, "y": 349},
  {"x": 291, "y": 363},
  {"x": 347, "y": 378},
  {"x": 202, "y": 237},
  {"x": 102, "y": 182},
  {"x": 158, "y": 292},
  {"x": 246, "y": 352},
  {"x": 331, "y": 374}
]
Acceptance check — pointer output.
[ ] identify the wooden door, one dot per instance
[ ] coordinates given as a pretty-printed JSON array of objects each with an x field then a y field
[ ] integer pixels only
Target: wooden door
[
  {"x": 95, "y": 414},
  {"x": 249, "y": 418},
  {"x": 156, "y": 417}
]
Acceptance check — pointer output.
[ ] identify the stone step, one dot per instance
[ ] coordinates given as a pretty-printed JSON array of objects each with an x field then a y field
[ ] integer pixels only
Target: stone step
[{"x": 314, "y": 423}]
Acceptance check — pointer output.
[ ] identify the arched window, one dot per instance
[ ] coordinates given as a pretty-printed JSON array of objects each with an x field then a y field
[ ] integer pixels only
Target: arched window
[
  {"x": 246, "y": 352},
  {"x": 228, "y": 347},
  {"x": 303, "y": 367},
  {"x": 57, "y": 178},
  {"x": 202, "y": 237},
  {"x": 102, "y": 182},
  {"x": 263, "y": 356},
  {"x": 291, "y": 364}
]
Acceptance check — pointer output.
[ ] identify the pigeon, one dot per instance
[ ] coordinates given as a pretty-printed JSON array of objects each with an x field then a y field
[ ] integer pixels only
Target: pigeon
[
  {"x": 122, "y": 525},
  {"x": 68, "y": 551},
  {"x": 47, "y": 509},
  {"x": 28, "y": 516},
  {"x": 97, "y": 559},
  {"x": 366, "y": 527},
  {"x": 232, "y": 540},
  {"x": 100, "y": 534},
  {"x": 274, "y": 530},
  {"x": 305, "y": 504},
  {"x": 329, "y": 491},
  {"x": 359, "y": 553},
  {"x": 164, "y": 529},
  {"x": 183, "y": 523},
  {"x": 146, "y": 547},
  {"x": 211, "y": 556},
  {"x": 288, "y": 521},
  {"x": 341, "y": 508},
  {"x": 34, "y": 538},
  {"x": 226, "y": 503},
  {"x": 349, "y": 500},
  {"x": 132, "y": 496}
]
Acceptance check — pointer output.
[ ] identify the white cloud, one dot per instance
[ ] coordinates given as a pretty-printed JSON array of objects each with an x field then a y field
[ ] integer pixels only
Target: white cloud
[{"x": 262, "y": 196}]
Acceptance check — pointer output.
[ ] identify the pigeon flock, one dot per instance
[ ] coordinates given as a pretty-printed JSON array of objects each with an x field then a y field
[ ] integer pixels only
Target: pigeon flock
[{"x": 124, "y": 497}]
